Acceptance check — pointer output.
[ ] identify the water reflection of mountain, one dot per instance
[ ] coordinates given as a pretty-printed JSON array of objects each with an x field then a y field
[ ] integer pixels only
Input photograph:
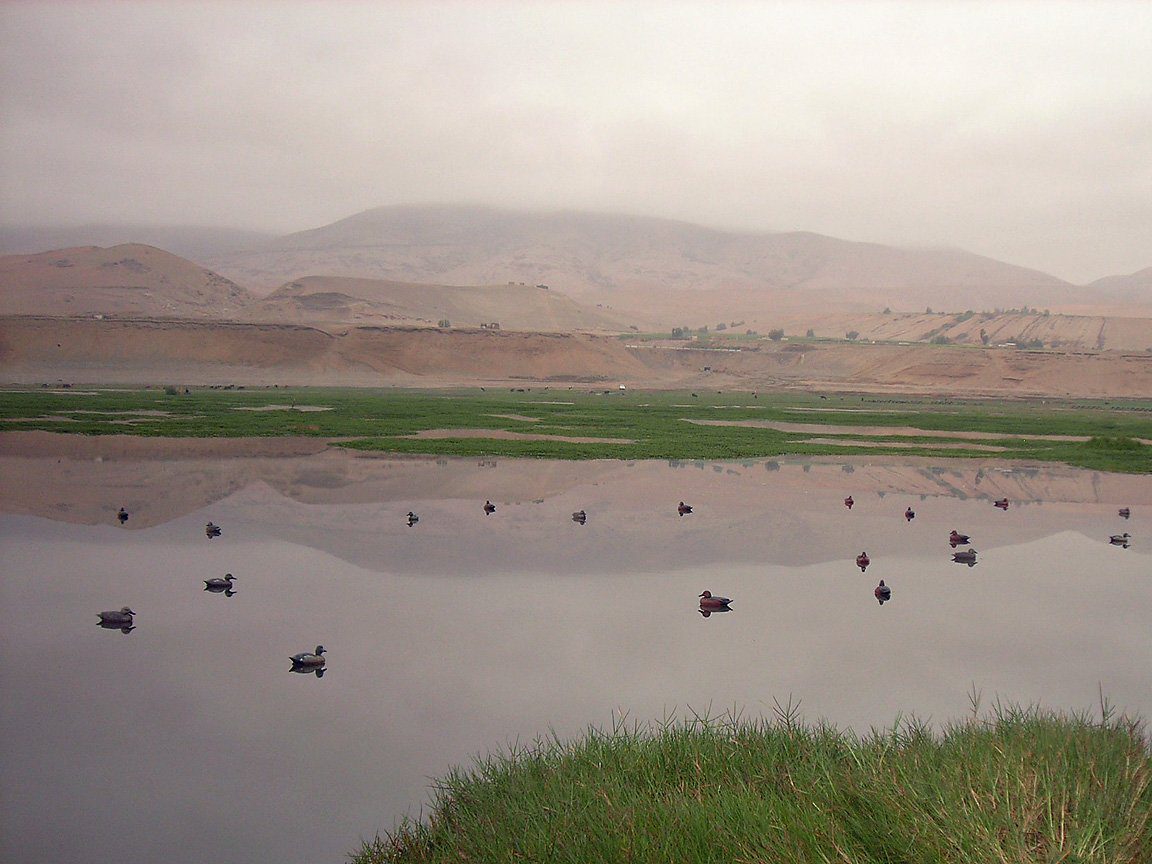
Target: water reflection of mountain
[
  {"x": 782, "y": 511},
  {"x": 72, "y": 478}
]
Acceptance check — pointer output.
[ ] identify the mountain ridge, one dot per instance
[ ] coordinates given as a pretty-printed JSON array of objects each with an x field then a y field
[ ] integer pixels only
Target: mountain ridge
[{"x": 638, "y": 265}]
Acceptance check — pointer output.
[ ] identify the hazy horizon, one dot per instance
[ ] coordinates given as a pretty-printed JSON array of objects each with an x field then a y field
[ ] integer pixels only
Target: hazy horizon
[{"x": 1019, "y": 131}]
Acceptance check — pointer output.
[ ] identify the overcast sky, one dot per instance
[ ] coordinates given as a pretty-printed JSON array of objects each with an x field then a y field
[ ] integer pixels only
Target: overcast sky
[{"x": 1022, "y": 131}]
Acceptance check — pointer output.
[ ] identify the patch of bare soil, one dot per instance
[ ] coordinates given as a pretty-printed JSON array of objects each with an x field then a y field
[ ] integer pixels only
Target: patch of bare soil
[
  {"x": 844, "y": 442},
  {"x": 512, "y": 436},
  {"x": 902, "y": 431},
  {"x": 302, "y": 408}
]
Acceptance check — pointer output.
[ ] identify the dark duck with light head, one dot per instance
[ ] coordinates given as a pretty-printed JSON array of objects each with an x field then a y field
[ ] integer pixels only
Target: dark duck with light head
[
  {"x": 117, "y": 620},
  {"x": 965, "y": 556}
]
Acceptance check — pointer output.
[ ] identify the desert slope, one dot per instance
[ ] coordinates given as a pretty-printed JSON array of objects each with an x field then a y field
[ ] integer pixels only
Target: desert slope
[
  {"x": 36, "y": 350},
  {"x": 131, "y": 279},
  {"x": 638, "y": 264},
  {"x": 320, "y": 299}
]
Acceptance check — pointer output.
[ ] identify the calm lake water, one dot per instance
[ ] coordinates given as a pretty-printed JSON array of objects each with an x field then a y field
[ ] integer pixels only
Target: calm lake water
[{"x": 189, "y": 740}]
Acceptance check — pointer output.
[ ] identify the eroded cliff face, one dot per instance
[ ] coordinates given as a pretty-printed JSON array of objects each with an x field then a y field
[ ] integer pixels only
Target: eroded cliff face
[{"x": 153, "y": 351}]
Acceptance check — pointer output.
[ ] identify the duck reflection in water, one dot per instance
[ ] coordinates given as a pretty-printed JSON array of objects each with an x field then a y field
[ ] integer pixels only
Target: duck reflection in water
[
  {"x": 1120, "y": 539},
  {"x": 212, "y": 530},
  {"x": 220, "y": 586},
  {"x": 862, "y": 561},
  {"x": 965, "y": 556},
  {"x": 121, "y": 619},
  {"x": 882, "y": 593},
  {"x": 310, "y": 661},
  {"x": 579, "y": 517},
  {"x": 710, "y": 604}
]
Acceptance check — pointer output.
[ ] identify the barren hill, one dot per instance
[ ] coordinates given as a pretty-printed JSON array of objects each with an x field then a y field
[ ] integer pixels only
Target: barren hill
[
  {"x": 335, "y": 299},
  {"x": 660, "y": 271},
  {"x": 131, "y": 279},
  {"x": 194, "y": 242},
  {"x": 1134, "y": 289}
]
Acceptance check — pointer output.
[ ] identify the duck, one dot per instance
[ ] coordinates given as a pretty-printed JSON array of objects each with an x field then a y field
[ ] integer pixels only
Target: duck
[
  {"x": 412, "y": 518},
  {"x": 1124, "y": 512},
  {"x": 957, "y": 539},
  {"x": 1002, "y": 503},
  {"x": 909, "y": 514},
  {"x": 212, "y": 530},
  {"x": 1120, "y": 539},
  {"x": 882, "y": 592},
  {"x": 710, "y": 604},
  {"x": 580, "y": 517},
  {"x": 217, "y": 585},
  {"x": 122, "y": 515},
  {"x": 848, "y": 502},
  {"x": 489, "y": 508},
  {"x": 965, "y": 556},
  {"x": 121, "y": 618},
  {"x": 309, "y": 660},
  {"x": 683, "y": 509},
  {"x": 862, "y": 561}
]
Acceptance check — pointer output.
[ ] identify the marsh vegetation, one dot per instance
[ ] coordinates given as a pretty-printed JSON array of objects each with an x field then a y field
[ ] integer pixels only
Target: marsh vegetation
[
  {"x": 1024, "y": 785},
  {"x": 555, "y": 422}
]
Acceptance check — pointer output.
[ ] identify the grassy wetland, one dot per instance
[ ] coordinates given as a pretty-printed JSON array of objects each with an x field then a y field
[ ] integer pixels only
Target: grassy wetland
[
  {"x": 559, "y": 423},
  {"x": 1023, "y": 786}
]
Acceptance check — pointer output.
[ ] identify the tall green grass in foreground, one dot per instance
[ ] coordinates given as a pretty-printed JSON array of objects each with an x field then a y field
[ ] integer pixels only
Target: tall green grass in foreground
[{"x": 1025, "y": 786}]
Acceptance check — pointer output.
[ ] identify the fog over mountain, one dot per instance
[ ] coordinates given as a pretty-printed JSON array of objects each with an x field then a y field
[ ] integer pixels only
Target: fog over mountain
[
  {"x": 1019, "y": 131},
  {"x": 631, "y": 262}
]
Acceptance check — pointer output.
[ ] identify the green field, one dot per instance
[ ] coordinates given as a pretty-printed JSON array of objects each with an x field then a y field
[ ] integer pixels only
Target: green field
[
  {"x": 1025, "y": 786},
  {"x": 643, "y": 424}
]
